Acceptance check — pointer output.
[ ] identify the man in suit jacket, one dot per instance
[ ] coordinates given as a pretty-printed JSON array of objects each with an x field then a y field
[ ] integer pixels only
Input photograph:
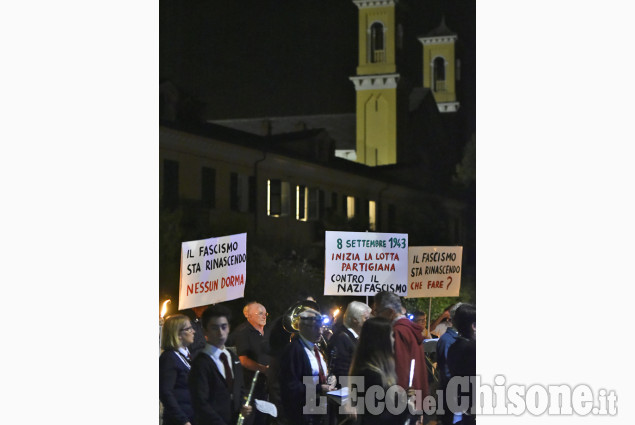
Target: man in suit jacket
[
  {"x": 342, "y": 344},
  {"x": 216, "y": 378},
  {"x": 301, "y": 358}
]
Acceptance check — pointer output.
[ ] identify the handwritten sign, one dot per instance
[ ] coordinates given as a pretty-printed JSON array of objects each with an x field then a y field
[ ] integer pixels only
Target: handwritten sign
[
  {"x": 434, "y": 271},
  {"x": 213, "y": 270},
  {"x": 364, "y": 263}
]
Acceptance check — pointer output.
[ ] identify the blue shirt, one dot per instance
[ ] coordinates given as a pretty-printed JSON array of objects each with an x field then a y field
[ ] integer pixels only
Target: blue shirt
[{"x": 447, "y": 339}]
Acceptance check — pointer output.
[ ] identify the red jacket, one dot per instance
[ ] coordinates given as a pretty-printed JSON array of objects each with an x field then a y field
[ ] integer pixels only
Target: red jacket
[{"x": 408, "y": 346}]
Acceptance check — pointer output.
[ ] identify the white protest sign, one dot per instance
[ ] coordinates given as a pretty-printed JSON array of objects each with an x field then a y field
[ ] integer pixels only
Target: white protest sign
[
  {"x": 434, "y": 271},
  {"x": 364, "y": 263},
  {"x": 213, "y": 270}
]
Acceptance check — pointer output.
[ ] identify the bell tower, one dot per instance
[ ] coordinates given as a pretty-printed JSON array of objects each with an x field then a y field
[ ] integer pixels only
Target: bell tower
[
  {"x": 440, "y": 70},
  {"x": 376, "y": 83}
]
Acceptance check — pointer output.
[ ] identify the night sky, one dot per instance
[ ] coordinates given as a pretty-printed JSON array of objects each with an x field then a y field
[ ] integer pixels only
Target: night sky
[{"x": 257, "y": 58}]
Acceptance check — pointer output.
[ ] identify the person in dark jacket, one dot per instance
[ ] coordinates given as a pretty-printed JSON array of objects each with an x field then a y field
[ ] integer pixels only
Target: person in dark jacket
[
  {"x": 443, "y": 344},
  {"x": 216, "y": 378},
  {"x": 174, "y": 367},
  {"x": 301, "y": 358},
  {"x": 462, "y": 357},
  {"x": 199, "y": 336},
  {"x": 342, "y": 344}
]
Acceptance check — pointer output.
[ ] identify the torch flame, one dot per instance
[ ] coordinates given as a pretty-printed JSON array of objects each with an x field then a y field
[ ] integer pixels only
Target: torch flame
[
  {"x": 164, "y": 309},
  {"x": 335, "y": 313}
]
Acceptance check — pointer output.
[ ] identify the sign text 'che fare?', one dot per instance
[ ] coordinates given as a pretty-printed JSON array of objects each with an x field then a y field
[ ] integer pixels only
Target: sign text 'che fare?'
[
  {"x": 213, "y": 270},
  {"x": 364, "y": 263},
  {"x": 435, "y": 271}
]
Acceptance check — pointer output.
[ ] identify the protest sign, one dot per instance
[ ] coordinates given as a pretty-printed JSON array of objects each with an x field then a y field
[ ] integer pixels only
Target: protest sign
[
  {"x": 213, "y": 270},
  {"x": 364, "y": 263},
  {"x": 434, "y": 271}
]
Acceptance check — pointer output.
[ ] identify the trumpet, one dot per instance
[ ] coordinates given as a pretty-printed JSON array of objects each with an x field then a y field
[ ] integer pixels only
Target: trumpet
[{"x": 241, "y": 418}]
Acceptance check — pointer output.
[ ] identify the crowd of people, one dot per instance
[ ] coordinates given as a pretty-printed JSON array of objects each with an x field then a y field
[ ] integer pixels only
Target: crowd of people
[{"x": 207, "y": 371}]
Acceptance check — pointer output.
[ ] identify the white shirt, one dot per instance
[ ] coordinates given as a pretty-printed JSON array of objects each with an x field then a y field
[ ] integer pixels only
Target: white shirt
[
  {"x": 215, "y": 352},
  {"x": 315, "y": 369},
  {"x": 353, "y": 332},
  {"x": 185, "y": 354}
]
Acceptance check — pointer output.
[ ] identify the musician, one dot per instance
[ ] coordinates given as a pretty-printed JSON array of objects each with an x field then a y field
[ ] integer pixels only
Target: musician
[
  {"x": 252, "y": 350},
  {"x": 216, "y": 377},
  {"x": 279, "y": 337},
  {"x": 301, "y": 357}
]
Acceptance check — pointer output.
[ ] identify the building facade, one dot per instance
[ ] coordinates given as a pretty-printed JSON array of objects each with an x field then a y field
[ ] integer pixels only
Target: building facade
[{"x": 287, "y": 189}]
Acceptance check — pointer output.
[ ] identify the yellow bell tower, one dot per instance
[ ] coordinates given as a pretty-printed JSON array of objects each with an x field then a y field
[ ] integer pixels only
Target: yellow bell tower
[
  {"x": 440, "y": 70},
  {"x": 376, "y": 83}
]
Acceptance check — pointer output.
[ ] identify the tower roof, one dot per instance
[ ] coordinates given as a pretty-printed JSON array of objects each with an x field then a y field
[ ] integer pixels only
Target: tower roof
[{"x": 441, "y": 30}]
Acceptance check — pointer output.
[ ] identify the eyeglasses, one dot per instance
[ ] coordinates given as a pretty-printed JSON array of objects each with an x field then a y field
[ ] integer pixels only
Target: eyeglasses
[
  {"x": 262, "y": 314},
  {"x": 189, "y": 328}
]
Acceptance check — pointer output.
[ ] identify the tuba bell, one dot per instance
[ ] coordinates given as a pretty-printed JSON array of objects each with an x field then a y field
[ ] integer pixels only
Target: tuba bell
[
  {"x": 291, "y": 319},
  {"x": 291, "y": 322}
]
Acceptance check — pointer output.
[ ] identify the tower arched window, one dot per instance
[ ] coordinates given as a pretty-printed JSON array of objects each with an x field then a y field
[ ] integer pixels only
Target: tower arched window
[
  {"x": 439, "y": 74},
  {"x": 377, "y": 52}
]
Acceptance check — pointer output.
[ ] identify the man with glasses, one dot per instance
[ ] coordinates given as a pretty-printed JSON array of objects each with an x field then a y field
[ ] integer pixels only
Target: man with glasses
[
  {"x": 300, "y": 358},
  {"x": 251, "y": 347}
]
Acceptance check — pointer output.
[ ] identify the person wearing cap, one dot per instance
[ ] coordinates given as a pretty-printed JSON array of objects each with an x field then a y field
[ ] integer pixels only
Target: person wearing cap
[{"x": 301, "y": 357}]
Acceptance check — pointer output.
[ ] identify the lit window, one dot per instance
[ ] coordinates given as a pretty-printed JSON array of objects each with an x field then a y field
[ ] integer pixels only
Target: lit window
[
  {"x": 307, "y": 203},
  {"x": 278, "y": 198},
  {"x": 372, "y": 215},
  {"x": 300, "y": 203},
  {"x": 350, "y": 207}
]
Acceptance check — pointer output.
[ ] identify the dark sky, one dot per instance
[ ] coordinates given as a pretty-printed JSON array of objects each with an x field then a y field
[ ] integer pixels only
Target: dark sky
[{"x": 255, "y": 58}]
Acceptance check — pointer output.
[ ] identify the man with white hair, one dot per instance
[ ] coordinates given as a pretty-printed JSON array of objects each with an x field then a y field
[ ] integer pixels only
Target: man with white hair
[{"x": 342, "y": 344}]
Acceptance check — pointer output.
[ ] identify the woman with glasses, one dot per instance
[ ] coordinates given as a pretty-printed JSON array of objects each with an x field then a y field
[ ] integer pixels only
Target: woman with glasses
[{"x": 174, "y": 367}]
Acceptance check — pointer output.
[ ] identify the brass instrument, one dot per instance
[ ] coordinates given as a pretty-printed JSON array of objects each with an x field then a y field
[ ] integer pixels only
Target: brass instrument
[
  {"x": 291, "y": 322},
  {"x": 241, "y": 418}
]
